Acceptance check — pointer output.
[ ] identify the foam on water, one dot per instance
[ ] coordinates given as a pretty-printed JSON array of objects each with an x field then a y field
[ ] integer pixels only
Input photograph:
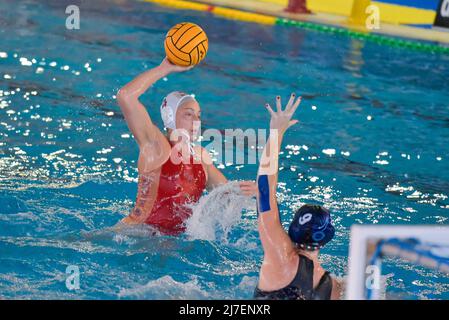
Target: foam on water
[{"x": 167, "y": 288}]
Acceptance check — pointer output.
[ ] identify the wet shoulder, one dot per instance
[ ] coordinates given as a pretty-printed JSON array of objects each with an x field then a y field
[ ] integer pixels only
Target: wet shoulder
[{"x": 152, "y": 156}]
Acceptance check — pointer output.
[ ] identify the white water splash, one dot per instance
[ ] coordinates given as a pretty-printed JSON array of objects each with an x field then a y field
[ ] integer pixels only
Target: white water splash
[{"x": 217, "y": 212}]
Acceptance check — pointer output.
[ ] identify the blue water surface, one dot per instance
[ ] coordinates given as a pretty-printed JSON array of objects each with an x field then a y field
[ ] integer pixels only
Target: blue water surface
[{"x": 372, "y": 145}]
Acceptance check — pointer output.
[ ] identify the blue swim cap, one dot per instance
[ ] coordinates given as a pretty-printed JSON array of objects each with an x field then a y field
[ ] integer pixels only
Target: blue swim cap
[{"x": 311, "y": 227}]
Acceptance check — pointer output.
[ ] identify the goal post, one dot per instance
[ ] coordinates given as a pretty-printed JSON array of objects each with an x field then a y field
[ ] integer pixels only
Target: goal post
[{"x": 424, "y": 245}]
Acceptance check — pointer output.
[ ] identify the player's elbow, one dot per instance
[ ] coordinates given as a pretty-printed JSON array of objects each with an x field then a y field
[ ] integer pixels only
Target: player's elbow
[{"x": 124, "y": 97}]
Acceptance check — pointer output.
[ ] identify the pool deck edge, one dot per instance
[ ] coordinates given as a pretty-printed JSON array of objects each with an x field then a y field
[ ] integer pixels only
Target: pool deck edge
[{"x": 271, "y": 13}]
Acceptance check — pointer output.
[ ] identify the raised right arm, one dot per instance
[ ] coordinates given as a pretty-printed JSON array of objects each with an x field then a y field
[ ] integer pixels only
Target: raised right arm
[{"x": 136, "y": 116}]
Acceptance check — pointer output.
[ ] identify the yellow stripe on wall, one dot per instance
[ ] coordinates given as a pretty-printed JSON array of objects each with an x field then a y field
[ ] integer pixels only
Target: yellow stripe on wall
[
  {"x": 244, "y": 16},
  {"x": 219, "y": 11},
  {"x": 281, "y": 2},
  {"x": 392, "y": 13},
  {"x": 389, "y": 13},
  {"x": 179, "y": 4},
  {"x": 340, "y": 7}
]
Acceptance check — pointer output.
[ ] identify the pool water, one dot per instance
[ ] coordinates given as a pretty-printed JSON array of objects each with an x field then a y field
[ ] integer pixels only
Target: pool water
[{"x": 372, "y": 145}]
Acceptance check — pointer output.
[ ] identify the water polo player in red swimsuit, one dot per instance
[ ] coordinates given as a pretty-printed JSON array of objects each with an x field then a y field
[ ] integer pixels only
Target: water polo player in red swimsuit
[{"x": 172, "y": 171}]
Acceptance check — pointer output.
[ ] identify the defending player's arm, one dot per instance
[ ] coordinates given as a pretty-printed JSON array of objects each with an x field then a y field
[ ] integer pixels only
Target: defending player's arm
[{"x": 275, "y": 241}]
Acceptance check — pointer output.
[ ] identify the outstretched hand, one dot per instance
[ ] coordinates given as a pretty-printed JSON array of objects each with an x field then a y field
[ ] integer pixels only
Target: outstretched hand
[
  {"x": 170, "y": 67},
  {"x": 281, "y": 120}
]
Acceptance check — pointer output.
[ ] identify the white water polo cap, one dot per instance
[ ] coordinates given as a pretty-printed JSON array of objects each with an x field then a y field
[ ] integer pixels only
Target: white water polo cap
[{"x": 170, "y": 105}]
